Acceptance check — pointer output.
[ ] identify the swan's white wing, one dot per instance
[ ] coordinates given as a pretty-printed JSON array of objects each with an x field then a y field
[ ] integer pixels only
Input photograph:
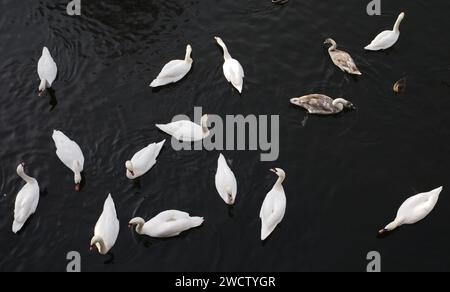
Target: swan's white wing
[
  {"x": 26, "y": 203},
  {"x": 183, "y": 131},
  {"x": 67, "y": 150},
  {"x": 172, "y": 223},
  {"x": 272, "y": 211},
  {"x": 47, "y": 68},
  {"x": 384, "y": 40},
  {"x": 107, "y": 226},
  {"x": 234, "y": 73},
  {"x": 175, "y": 69},
  {"x": 419, "y": 206},
  {"x": 145, "y": 159},
  {"x": 225, "y": 180}
]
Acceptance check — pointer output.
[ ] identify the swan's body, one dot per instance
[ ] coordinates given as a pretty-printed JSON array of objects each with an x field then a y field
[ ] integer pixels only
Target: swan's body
[
  {"x": 167, "y": 224},
  {"x": 47, "y": 70},
  {"x": 388, "y": 38},
  {"x": 226, "y": 184},
  {"x": 319, "y": 104},
  {"x": 143, "y": 160},
  {"x": 232, "y": 69},
  {"x": 187, "y": 131},
  {"x": 414, "y": 209},
  {"x": 342, "y": 59},
  {"x": 27, "y": 200},
  {"x": 107, "y": 228},
  {"x": 70, "y": 154},
  {"x": 175, "y": 70},
  {"x": 274, "y": 206}
]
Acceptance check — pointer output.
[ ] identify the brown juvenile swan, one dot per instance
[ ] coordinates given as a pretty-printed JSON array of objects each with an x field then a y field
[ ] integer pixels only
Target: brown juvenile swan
[
  {"x": 342, "y": 59},
  {"x": 319, "y": 104}
]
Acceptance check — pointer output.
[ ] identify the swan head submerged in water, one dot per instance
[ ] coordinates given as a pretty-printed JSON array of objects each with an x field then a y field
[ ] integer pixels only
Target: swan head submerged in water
[{"x": 138, "y": 222}]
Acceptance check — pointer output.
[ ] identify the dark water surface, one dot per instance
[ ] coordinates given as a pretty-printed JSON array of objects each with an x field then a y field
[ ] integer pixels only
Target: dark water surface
[{"x": 347, "y": 175}]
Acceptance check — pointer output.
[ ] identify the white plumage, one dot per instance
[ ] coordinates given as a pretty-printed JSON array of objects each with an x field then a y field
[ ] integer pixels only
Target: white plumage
[
  {"x": 47, "y": 70},
  {"x": 226, "y": 184},
  {"x": 167, "y": 224},
  {"x": 274, "y": 206},
  {"x": 232, "y": 69},
  {"x": 388, "y": 38},
  {"x": 27, "y": 200},
  {"x": 107, "y": 228},
  {"x": 175, "y": 70},
  {"x": 70, "y": 154},
  {"x": 143, "y": 160},
  {"x": 187, "y": 131}
]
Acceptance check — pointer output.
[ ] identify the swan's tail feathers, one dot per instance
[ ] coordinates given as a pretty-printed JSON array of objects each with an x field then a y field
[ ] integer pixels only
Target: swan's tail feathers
[
  {"x": 164, "y": 128},
  {"x": 371, "y": 47},
  {"x": 159, "y": 82},
  {"x": 17, "y": 226},
  {"x": 197, "y": 221}
]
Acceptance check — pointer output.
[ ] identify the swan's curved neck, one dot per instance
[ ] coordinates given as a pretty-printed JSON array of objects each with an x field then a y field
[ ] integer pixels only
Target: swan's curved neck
[
  {"x": 139, "y": 228},
  {"x": 397, "y": 24},
  {"x": 339, "y": 104},
  {"x": 280, "y": 181},
  {"x": 226, "y": 53},
  {"x": 394, "y": 225},
  {"x": 43, "y": 85},
  {"x": 333, "y": 46},
  {"x": 188, "y": 57},
  {"x": 25, "y": 177},
  {"x": 100, "y": 243}
]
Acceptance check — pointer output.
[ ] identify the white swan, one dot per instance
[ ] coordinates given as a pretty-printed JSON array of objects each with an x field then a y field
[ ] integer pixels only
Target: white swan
[
  {"x": 175, "y": 70},
  {"x": 274, "y": 206},
  {"x": 226, "y": 184},
  {"x": 70, "y": 154},
  {"x": 414, "y": 210},
  {"x": 232, "y": 69},
  {"x": 167, "y": 224},
  {"x": 27, "y": 200},
  {"x": 106, "y": 229},
  {"x": 47, "y": 70},
  {"x": 187, "y": 131},
  {"x": 143, "y": 161},
  {"x": 387, "y": 38}
]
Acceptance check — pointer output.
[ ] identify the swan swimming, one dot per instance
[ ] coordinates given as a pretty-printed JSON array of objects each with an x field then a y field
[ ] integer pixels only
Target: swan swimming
[
  {"x": 106, "y": 229},
  {"x": 143, "y": 161},
  {"x": 27, "y": 200},
  {"x": 232, "y": 69},
  {"x": 187, "y": 131},
  {"x": 342, "y": 59},
  {"x": 175, "y": 70},
  {"x": 414, "y": 210},
  {"x": 70, "y": 154},
  {"x": 47, "y": 71},
  {"x": 226, "y": 184},
  {"x": 167, "y": 224},
  {"x": 319, "y": 104},
  {"x": 274, "y": 206},
  {"x": 387, "y": 38}
]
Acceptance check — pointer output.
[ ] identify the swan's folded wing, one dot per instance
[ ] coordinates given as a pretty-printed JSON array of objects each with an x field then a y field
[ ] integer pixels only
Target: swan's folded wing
[
  {"x": 174, "y": 69},
  {"x": 171, "y": 215},
  {"x": 235, "y": 73}
]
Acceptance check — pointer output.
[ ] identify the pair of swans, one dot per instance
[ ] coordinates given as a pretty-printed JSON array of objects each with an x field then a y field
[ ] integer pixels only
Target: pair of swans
[
  {"x": 176, "y": 70},
  {"x": 274, "y": 205},
  {"x": 167, "y": 224}
]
